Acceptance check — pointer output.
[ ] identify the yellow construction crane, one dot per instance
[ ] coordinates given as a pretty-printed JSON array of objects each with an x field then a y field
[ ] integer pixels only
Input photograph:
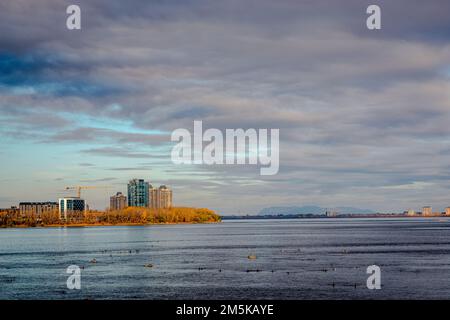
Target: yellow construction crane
[{"x": 78, "y": 188}]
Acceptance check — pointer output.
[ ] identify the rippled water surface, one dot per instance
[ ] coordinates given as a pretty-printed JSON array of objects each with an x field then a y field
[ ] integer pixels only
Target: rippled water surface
[{"x": 295, "y": 259}]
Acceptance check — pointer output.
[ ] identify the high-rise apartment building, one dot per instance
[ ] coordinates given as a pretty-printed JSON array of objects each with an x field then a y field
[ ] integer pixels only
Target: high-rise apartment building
[
  {"x": 164, "y": 197},
  {"x": 160, "y": 197},
  {"x": 138, "y": 195},
  {"x": 143, "y": 194},
  {"x": 153, "y": 195},
  {"x": 117, "y": 201}
]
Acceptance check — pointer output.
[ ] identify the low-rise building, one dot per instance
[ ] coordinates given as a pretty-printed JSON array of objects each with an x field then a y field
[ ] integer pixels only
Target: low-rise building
[
  {"x": 427, "y": 211},
  {"x": 13, "y": 210},
  {"x": 37, "y": 208},
  {"x": 331, "y": 213}
]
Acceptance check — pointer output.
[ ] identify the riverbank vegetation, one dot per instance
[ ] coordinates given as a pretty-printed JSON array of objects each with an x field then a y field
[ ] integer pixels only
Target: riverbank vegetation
[{"x": 130, "y": 215}]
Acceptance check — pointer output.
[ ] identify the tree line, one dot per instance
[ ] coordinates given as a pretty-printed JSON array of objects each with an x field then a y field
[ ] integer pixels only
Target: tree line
[{"x": 129, "y": 215}]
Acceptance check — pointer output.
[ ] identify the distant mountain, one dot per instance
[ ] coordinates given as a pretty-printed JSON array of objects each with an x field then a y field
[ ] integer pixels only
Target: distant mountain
[{"x": 310, "y": 210}]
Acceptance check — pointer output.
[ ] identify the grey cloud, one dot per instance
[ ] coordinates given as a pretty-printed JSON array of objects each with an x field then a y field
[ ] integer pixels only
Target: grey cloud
[
  {"x": 115, "y": 152},
  {"x": 98, "y": 180},
  {"x": 91, "y": 135},
  {"x": 137, "y": 168},
  {"x": 86, "y": 164}
]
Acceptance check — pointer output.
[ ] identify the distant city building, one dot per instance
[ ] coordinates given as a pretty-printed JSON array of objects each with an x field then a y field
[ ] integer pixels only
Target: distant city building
[
  {"x": 411, "y": 212},
  {"x": 427, "y": 211},
  {"x": 138, "y": 195},
  {"x": 37, "y": 208},
  {"x": 447, "y": 211},
  {"x": 71, "y": 208},
  {"x": 12, "y": 210},
  {"x": 160, "y": 197},
  {"x": 117, "y": 201},
  {"x": 331, "y": 213},
  {"x": 164, "y": 197},
  {"x": 153, "y": 195}
]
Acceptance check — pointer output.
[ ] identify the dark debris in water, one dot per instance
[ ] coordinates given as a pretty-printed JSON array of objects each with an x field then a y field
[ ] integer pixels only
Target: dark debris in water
[{"x": 6, "y": 279}]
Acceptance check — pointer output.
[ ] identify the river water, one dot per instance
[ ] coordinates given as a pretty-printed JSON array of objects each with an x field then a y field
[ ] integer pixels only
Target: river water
[{"x": 295, "y": 259}]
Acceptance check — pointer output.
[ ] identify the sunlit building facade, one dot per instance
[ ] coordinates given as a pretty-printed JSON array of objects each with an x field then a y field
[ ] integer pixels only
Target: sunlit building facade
[
  {"x": 164, "y": 197},
  {"x": 160, "y": 197},
  {"x": 37, "y": 208},
  {"x": 117, "y": 201},
  {"x": 153, "y": 195},
  {"x": 427, "y": 211}
]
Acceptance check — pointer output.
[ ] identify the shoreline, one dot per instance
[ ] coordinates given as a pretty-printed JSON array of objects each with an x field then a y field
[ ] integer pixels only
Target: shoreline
[
  {"x": 87, "y": 225},
  {"x": 281, "y": 217}
]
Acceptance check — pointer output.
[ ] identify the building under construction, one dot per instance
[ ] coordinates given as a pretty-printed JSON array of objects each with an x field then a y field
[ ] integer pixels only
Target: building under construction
[{"x": 71, "y": 208}]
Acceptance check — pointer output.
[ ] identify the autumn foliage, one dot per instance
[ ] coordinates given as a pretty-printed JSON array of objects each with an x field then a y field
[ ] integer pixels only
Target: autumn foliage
[
  {"x": 130, "y": 215},
  {"x": 147, "y": 215}
]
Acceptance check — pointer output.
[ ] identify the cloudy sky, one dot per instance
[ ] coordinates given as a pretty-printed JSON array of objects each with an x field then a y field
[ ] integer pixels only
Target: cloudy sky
[{"x": 363, "y": 115}]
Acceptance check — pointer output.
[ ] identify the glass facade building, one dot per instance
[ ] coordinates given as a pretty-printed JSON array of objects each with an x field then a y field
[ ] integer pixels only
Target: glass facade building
[
  {"x": 138, "y": 193},
  {"x": 71, "y": 208}
]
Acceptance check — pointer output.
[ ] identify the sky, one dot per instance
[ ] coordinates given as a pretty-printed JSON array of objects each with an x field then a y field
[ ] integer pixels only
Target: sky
[{"x": 363, "y": 114}]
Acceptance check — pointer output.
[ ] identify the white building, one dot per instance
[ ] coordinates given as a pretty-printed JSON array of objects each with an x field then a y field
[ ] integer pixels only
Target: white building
[
  {"x": 427, "y": 211},
  {"x": 331, "y": 213}
]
